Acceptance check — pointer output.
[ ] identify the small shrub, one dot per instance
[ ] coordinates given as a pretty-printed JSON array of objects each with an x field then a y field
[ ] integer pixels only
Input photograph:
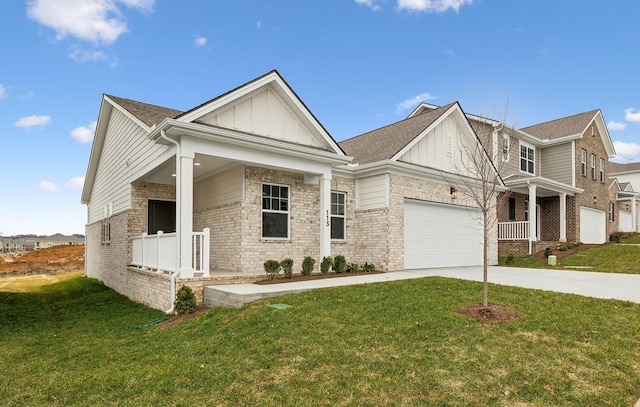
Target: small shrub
[
  {"x": 352, "y": 268},
  {"x": 579, "y": 244},
  {"x": 185, "y": 301},
  {"x": 548, "y": 252},
  {"x": 368, "y": 267},
  {"x": 339, "y": 264},
  {"x": 307, "y": 265},
  {"x": 272, "y": 268},
  {"x": 510, "y": 259},
  {"x": 326, "y": 264},
  {"x": 563, "y": 248},
  {"x": 614, "y": 238},
  {"x": 287, "y": 267}
]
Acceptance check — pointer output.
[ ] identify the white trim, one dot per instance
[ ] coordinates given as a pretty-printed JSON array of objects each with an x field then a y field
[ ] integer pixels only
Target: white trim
[
  {"x": 288, "y": 211},
  {"x": 521, "y": 144},
  {"x": 344, "y": 216}
]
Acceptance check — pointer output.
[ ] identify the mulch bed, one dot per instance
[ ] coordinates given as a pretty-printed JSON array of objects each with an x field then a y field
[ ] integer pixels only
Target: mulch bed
[
  {"x": 492, "y": 314},
  {"x": 299, "y": 277},
  {"x": 561, "y": 255}
]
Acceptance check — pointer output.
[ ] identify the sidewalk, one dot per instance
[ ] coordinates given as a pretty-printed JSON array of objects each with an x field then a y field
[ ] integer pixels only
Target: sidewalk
[{"x": 599, "y": 285}]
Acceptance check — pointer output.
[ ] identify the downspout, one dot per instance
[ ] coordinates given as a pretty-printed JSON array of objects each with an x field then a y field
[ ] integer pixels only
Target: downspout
[{"x": 174, "y": 275}]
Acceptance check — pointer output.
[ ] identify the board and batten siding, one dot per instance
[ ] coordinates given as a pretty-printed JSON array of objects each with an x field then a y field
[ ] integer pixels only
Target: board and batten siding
[
  {"x": 264, "y": 113},
  {"x": 372, "y": 192},
  {"x": 440, "y": 148},
  {"x": 556, "y": 163},
  {"x": 126, "y": 151},
  {"x": 220, "y": 189}
]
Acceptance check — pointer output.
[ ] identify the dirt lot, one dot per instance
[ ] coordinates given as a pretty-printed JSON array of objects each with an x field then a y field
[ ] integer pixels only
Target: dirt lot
[{"x": 53, "y": 260}]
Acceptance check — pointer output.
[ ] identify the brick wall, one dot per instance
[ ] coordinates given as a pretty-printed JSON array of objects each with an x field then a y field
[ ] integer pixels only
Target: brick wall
[
  {"x": 225, "y": 244},
  {"x": 304, "y": 227}
]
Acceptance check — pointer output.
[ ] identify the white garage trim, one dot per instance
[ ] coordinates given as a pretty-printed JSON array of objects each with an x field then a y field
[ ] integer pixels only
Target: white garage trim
[
  {"x": 593, "y": 225},
  {"x": 441, "y": 235}
]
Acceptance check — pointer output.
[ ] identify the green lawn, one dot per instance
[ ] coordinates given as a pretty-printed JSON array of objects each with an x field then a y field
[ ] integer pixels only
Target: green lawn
[{"x": 396, "y": 343}]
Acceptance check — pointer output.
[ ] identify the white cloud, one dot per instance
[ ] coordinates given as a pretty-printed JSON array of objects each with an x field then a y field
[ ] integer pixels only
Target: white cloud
[
  {"x": 414, "y": 101},
  {"x": 80, "y": 55},
  {"x": 26, "y": 96},
  {"x": 96, "y": 21},
  {"x": 259, "y": 25},
  {"x": 47, "y": 186},
  {"x": 432, "y": 6},
  {"x": 369, "y": 3},
  {"x": 3, "y": 91},
  {"x": 31, "y": 121},
  {"x": 75, "y": 183},
  {"x": 449, "y": 51},
  {"x": 631, "y": 116},
  {"x": 200, "y": 41},
  {"x": 84, "y": 134},
  {"x": 616, "y": 126},
  {"x": 626, "y": 151}
]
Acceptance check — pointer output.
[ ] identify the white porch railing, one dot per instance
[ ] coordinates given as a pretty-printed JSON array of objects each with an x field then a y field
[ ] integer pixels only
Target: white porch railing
[
  {"x": 513, "y": 230},
  {"x": 158, "y": 252}
]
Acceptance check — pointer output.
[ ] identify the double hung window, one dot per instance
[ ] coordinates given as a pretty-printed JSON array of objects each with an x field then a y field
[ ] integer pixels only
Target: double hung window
[
  {"x": 275, "y": 211},
  {"x": 527, "y": 159},
  {"x": 338, "y": 215}
]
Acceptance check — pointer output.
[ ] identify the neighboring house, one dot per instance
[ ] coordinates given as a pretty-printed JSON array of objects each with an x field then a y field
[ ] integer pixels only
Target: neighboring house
[
  {"x": 557, "y": 175},
  {"x": 627, "y": 180},
  {"x": 251, "y": 175},
  {"x": 56, "y": 240}
]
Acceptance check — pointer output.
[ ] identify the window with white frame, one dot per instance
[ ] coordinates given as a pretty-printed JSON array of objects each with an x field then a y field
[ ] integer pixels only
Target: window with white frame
[
  {"x": 275, "y": 211},
  {"x": 583, "y": 162},
  {"x": 105, "y": 227},
  {"x": 593, "y": 166},
  {"x": 602, "y": 170},
  {"x": 505, "y": 147},
  {"x": 612, "y": 216},
  {"x": 338, "y": 215},
  {"x": 527, "y": 158}
]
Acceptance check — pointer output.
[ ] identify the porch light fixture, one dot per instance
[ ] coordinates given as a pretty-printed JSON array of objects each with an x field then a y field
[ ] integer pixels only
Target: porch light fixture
[
  {"x": 452, "y": 192},
  {"x": 196, "y": 163},
  {"x": 595, "y": 200},
  {"x": 173, "y": 175}
]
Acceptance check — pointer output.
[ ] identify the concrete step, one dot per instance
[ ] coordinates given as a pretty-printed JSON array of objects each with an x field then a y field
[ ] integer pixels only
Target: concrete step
[{"x": 237, "y": 295}]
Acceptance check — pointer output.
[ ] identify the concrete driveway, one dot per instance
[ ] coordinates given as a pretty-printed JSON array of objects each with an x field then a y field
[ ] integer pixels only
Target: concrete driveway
[{"x": 624, "y": 287}]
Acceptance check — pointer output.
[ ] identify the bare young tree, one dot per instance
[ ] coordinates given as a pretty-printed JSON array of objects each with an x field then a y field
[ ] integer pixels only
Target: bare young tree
[{"x": 476, "y": 176}]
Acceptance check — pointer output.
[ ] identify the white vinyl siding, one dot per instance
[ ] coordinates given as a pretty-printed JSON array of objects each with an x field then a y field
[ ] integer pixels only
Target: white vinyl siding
[
  {"x": 265, "y": 113},
  {"x": 220, "y": 189},
  {"x": 372, "y": 192},
  {"x": 125, "y": 152},
  {"x": 555, "y": 163},
  {"x": 437, "y": 149}
]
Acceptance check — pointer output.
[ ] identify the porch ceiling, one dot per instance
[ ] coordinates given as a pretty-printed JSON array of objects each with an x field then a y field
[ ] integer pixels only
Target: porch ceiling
[{"x": 204, "y": 166}]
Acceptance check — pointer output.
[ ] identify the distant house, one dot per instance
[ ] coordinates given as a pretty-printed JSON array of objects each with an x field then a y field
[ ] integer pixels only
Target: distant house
[
  {"x": 557, "y": 176},
  {"x": 56, "y": 240},
  {"x": 210, "y": 193},
  {"x": 626, "y": 180}
]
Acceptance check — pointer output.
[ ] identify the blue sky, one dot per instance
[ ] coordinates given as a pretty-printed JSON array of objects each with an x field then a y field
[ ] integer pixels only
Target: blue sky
[{"x": 357, "y": 65}]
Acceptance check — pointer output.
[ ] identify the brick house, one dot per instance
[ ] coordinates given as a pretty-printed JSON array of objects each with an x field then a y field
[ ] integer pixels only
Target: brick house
[{"x": 207, "y": 195}]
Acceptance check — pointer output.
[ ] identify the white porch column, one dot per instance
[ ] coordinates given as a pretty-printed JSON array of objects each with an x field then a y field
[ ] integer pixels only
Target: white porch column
[
  {"x": 325, "y": 215},
  {"x": 532, "y": 216},
  {"x": 563, "y": 217},
  {"x": 634, "y": 220},
  {"x": 184, "y": 191}
]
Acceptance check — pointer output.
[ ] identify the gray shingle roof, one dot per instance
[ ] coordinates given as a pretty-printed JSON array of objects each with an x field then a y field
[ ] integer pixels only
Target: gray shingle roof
[
  {"x": 148, "y": 114},
  {"x": 566, "y": 126},
  {"x": 617, "y": 167},
  {"x": 385, "y": 142}
]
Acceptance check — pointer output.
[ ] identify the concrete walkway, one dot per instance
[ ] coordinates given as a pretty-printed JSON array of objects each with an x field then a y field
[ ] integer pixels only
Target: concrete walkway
[{"x": 599, "y": 285}]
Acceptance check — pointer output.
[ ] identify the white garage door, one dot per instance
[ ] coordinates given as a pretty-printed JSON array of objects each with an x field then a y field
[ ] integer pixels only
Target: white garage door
[
  {"x": 626, "y": 222},
  {"x": 592, "y": 225},
  {"x": 437, "y": 235}
]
